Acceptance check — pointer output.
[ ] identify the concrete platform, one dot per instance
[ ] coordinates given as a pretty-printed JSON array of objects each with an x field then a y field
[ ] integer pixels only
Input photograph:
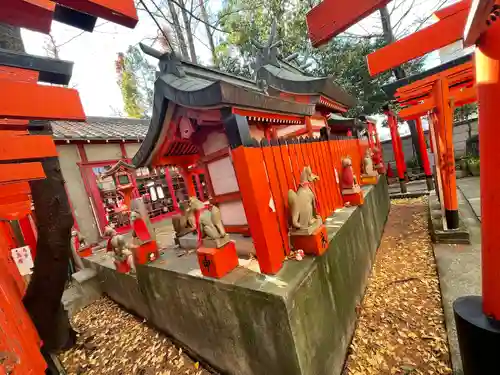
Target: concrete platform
[
  {"x": 299, "y": 321},
  {"x": 459, "y": 268},
  {"x": 470, "y": 189}
]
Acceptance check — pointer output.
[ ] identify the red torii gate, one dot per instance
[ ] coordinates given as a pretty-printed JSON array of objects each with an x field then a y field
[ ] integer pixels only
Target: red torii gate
[
  {"x": 477, "y": 318},
  {"x": 23, "y": 99}
]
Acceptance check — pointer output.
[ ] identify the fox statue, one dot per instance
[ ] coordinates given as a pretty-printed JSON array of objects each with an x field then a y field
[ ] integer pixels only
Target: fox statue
[{"x": 303, "y": 208}]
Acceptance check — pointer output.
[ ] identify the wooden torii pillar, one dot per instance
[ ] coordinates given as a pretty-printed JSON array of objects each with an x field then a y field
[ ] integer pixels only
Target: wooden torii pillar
[{"x": 478, "y": 318}]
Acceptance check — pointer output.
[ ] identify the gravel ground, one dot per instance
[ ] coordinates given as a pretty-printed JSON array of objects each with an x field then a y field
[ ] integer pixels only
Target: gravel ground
[
  {"x": 112, "y": 341},
  {"x": 401, "y": 323}
]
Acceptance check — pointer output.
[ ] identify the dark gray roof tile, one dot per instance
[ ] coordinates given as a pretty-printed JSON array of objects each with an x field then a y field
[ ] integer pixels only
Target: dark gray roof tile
[{"x": 101, "y": 128}]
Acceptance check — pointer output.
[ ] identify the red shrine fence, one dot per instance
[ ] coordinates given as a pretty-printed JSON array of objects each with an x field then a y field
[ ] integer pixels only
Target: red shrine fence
[{"x": 267, "y": 171}]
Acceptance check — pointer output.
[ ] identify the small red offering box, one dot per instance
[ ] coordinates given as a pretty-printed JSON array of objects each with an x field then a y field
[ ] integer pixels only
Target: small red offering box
[
  {"x": 313, "y": 244},
  {"x": 217, "y": 262},
  {"x": 369, "y": 180},
  {"x": 147, "y": 252},
  {"x": 356, "y": 199},
  {"x": 85, "y": 252}
]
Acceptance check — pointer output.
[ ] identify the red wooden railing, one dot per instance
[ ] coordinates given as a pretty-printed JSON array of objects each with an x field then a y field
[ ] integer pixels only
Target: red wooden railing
[{"x": 266, "y": 172}]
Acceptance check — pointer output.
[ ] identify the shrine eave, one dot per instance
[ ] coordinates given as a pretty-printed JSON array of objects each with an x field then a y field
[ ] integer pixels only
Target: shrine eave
[
  {"x": 287, "y": 81},
  {"x": 390, "y": 88},
  {"x": 199, "y": 93},
  {"x": 50, "y": 70}
]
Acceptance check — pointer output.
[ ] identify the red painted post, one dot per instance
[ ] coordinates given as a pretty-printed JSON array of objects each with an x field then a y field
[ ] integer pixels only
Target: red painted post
[
  {"x": 488, "y": 89},
  {"x": 396, "y": 144},
  {"x": 423, "y": 152},
  {"x": 28, "y": 234}
]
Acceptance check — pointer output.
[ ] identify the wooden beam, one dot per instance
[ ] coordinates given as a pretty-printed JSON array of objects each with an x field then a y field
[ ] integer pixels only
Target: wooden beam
[
  {"x": 18, "y": 74},
  {"x": 185, "y": 160},
  {"x": 21, "y": 147},
  {"x": 266, "y": 115},
  {"x": 15, "y": 211},
  {"x": 331, "y": 17},
  {"x": 476, "y": 21},
  {"x": 121, "y": 12},
  {"x": 31, "y": 14},
  {"x": 10, "y": 173},
  {"x": 20, "y": 100},
  {"x": 431, "y": 38},
  {"x": 452, "y": 9},
  {"x": 14, "y": 189}
]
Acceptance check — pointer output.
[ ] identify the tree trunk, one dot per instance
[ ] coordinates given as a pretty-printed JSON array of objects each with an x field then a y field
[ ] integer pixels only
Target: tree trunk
[
  {"x": 54, "y": 222},
  {"x": 399, "y": 73},
  {"x": 189, "y": 32},
  {"x": 204, "y": 17},
  {"x": 178, "y": 30}
]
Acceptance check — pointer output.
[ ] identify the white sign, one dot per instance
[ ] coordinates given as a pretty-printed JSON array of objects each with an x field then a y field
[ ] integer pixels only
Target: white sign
[
  {"x": 23, "y": 260},
  {"x": 336, "y": 175}
]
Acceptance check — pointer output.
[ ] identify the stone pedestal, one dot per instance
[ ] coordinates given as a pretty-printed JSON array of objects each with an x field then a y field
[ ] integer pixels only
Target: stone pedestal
[
  {"x": 315, "y": 243},
  {"x": 188, "y": 241},
  {"x": 217, "y": 262},
  {"x": 353, "y": 198},
  {"x": 217, "y": 243},
  {"x": 147, "y": 252}
]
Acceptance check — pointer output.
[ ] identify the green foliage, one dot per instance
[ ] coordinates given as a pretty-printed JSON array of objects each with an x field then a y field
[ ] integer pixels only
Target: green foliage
[
  {"x": 136, "y": 78},
  {"x": 344, "y": 57},
  {"x": 465, "y": 112}
]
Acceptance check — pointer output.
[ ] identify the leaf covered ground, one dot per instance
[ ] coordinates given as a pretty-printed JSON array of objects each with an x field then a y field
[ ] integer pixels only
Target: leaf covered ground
[
  {"x": 401, "y": 328},
  {"x": 112, "y": 341}
]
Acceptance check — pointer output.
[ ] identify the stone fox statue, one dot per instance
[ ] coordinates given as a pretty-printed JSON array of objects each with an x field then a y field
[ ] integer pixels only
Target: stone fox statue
[
  {"x": 210, "y": 221},
  {"x": 184, "y": 223},
  {"x": 303, "y": 202}
]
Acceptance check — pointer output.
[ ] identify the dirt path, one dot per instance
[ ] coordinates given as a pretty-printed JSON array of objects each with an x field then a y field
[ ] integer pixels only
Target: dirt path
[
  {"x": 112, "y": 341},
  {"x": 401, "y": 324}
]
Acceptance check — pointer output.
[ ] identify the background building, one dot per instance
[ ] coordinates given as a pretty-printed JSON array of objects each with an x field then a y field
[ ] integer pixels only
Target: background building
[{"x": 88, "y": 149}]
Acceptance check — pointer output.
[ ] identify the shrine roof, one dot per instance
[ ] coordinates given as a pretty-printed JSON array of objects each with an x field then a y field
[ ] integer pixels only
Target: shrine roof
[
  {"x": 289, "y": 79},
  {"x": 390, "y": 88},
  {"x": 339, "y": 122},
  {"x": 191, "y": 85},
  {"x": 101, "y": 129}
]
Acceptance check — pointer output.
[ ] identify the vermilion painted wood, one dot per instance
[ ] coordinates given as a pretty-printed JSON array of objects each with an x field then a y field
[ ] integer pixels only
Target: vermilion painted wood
[
  {"x": 18, "y": 74},
  {"x": 20, "y": 188},
  {"x": 444, "y": 114},
  {"x": 429, "y": 39},
  {"x": 423, "y": 149},
  {"x": 121, "y": 12},
  {"x": 28, "y": 234},
  {"x": 46, "y": 102},
  {"x": 250, "y": 172},
  {"x": 31, "y": 14},
  {"x": 488, "y": 88},
  {"x": 328, "y": 199},
  {"x": 331, "y": 17},
  {"x": 337, "y": 163},
  {"x": 452, "y": 9},
  {"x": 280, "y": 200},
  {"x": 15, "y": 211},
  {"x": 20, "y": 172},
  {"x": 294, "y": 158},
  {"x": 19, "y": 147},
  {"x": 284, "y": 159}
]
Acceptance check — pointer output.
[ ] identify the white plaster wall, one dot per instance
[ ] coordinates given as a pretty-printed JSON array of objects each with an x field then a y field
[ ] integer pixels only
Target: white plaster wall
[
  {"x": 107, "y": 151},
  {"x": 233, "y": 213},
  {"x": 68, "y": 157},
  {"x": 256, "y": 133},
  {"x": 318, "y": 122},
  {"x": 214, "y": 142},
  {"x": 223, "y": 176},
  {"x": 282, "y": 131},
  {"x": 131, "y": 149}
]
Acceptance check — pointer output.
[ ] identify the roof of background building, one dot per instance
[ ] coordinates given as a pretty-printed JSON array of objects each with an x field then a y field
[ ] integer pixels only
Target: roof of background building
[{"x": 101, "y": 128}]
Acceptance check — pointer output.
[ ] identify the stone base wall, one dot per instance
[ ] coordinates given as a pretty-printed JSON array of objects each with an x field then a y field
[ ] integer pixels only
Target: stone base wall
[{"x": 298, "y": 322}]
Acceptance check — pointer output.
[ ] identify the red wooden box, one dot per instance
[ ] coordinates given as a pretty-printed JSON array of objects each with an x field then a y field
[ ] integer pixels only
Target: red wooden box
[
  {"x": 147, "y": 252},
  {"x": 313, "y": 244},
  {"x": 217, "y": 262},
  {"x": 356, "y": 199},
  {"x": 85, "y": 251}
]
